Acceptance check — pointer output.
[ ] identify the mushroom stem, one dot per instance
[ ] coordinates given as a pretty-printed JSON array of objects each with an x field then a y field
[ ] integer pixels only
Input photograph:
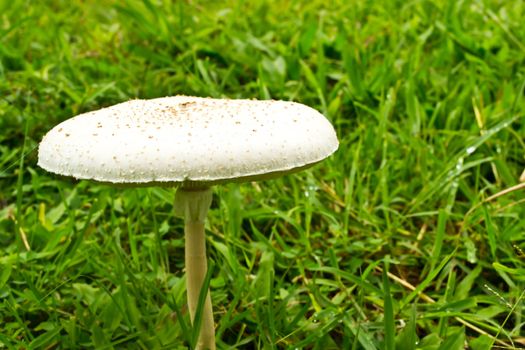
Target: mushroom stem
[{"x": 193, "y": 205}]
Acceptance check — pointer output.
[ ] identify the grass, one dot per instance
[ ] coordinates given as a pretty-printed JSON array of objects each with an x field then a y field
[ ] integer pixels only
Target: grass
[{"x": 393, "y": 242}]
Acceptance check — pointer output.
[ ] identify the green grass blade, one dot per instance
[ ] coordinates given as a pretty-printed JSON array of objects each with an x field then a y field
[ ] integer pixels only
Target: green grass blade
[{"x": 389, "y": 322}]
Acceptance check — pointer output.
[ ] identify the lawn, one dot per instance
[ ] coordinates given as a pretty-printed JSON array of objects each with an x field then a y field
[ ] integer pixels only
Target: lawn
[{"x": 411, "y": 236}]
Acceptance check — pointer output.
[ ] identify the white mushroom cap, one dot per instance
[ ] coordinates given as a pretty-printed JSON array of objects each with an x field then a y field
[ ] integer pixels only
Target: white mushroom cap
[{"x": 187, "y": 139}]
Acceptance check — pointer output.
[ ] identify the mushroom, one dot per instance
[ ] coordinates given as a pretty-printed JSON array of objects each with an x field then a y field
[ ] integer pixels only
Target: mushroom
[{"x": 190, "y": 143}]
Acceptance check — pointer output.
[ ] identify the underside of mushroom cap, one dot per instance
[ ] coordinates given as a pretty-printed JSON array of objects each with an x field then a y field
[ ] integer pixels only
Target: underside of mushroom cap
[{"x": 183, "y": 139}]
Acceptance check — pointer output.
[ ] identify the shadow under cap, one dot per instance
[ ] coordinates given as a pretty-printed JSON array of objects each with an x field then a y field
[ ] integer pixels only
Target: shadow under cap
[{"x": 190, "y": 185}]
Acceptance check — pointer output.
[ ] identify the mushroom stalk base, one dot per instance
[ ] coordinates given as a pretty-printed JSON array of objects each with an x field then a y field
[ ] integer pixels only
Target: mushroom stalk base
[{"x": 193, "y": 205}]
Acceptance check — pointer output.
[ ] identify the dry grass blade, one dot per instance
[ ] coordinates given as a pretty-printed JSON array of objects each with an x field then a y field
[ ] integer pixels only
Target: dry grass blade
[{"x": 429, "y": 300}]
